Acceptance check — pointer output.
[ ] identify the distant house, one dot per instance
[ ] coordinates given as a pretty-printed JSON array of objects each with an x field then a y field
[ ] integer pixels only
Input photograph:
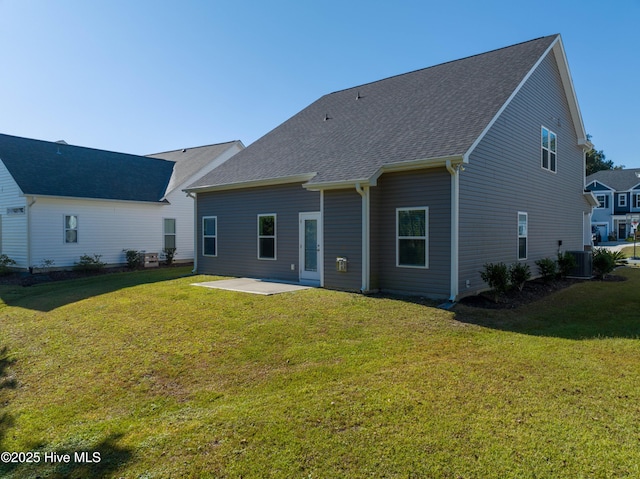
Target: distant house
[
  {"x": 58, "y": 201},
  {"x": 618, "y": 195},
  {"x": 409, "y": 184}
]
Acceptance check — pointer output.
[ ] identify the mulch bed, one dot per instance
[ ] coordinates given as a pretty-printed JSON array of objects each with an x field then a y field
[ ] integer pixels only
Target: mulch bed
[{"x": 533, "y": 291}]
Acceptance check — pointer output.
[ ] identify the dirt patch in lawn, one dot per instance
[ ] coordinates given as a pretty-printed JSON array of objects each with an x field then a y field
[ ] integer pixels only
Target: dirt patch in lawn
[{"x": 533, "y": 291}]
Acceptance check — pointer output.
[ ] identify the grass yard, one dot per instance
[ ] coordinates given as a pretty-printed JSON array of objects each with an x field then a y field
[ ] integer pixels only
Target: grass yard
[{"x": 168, "y": 380}]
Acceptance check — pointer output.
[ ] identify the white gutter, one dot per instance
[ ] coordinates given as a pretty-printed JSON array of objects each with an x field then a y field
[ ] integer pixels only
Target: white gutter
[
  {"x": 366, "y": 252},
  {"x": 193, "y": 196},
  {"x": 455, "y": 219}
]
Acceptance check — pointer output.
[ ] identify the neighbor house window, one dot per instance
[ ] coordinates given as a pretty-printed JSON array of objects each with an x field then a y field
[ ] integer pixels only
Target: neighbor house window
[
  {"x": 602, "y": 199},
  {"x": 267, "y": 236},
  {"x": 636, "y": 200},
  {"x": 15, "y": 211},
  {"x": 549, "y": 149},
  {"x": 71, "y": 228},
  {"x": 522, "y": 235},
  {"x": 622, "y": 201},
  {"x": 169, "y": 233},
  {"x": 411, "y": 237},
  {"x": 210, "y": 235}
]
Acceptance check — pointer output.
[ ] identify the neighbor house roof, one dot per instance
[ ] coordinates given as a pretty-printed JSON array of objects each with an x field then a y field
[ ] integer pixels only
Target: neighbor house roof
[
  {"x": 189, "y": 161},
  {"x": 44, "y": 168},
  {"x": 618, "y": 180},
  {"x": 354, "y": 134}
]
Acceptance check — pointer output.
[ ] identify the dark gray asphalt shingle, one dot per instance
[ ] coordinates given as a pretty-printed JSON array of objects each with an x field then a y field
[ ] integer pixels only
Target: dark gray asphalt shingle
[
  {"x": 430, "y": 113},
  {"x": 56, "y": 169},
  {"x": 619, "y": 180}
]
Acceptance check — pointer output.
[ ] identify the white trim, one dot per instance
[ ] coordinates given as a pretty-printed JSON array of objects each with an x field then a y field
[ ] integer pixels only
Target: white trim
[
  {"x": 455, "y": 230},
  {"x": 365, "y": 240},
  {"x": 215, "y": 236},
  {"x": 322, "y": 237},
  {"x": 548, "y": 149},
  {"x": 65, "y": 229},
  {"x": 274, "y": 236},
  {"x": 253, "y": 183},
  {"x": 317, "y": 215},
  {"x": 622, "y": 196},
  {"x": 165, "y": 234},
  {"x": 525, "y": 236},
  {"x": 425, "y": 237}
]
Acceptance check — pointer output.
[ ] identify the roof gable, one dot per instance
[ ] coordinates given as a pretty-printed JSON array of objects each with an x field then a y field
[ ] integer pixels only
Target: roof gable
[
  {"x": 617, "y": 180},
  {"x": 352, "y": 135},
  {"x": 45, "y": 168}
]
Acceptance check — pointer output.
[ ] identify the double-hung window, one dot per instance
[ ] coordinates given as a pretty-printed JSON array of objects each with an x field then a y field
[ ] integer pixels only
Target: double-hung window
[
  {"x": 210, "y": 235},
  {"x": 267, "y": 236},
  {"x": 412, "y": 246},
  {"x": 636, "y": 200},
  {"x": 549, "y": 149},
  {"x": 622, "y": 200},
  {"x": 170, "y": 233},
  {"x": 523, "y": 233},
  {"x": 71, "y": 228},
  {"x": 602, "y": 201}
]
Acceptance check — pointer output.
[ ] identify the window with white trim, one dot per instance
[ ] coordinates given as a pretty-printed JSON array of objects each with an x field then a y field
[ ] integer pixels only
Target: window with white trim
[
  {"x": 412, "y": 231},
  {"x": 636, "y": 200},
  {"x": 523, "y": 233},
  {"x": 622, "y": 201},
  {"x": 169, "y": 233},
  {"x": 210, "y": 235},
  {"x": 549, "y": 149},
  {"x": 71, "y": 228},
  {"x": 267, "y": 236},
  {"x": 602, "y": 200}
]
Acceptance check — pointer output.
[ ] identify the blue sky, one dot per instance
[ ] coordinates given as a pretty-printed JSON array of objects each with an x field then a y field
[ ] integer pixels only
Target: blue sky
[{"x": 141, "y": 76}]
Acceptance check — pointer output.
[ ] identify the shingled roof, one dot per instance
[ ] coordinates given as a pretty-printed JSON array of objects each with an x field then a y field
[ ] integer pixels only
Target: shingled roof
[
  {"x": 45, "y": 168},
  {"x": 189, "y": 161},
  {"x": 348, "y": 136},
  {"x": 618, "y": 180}
]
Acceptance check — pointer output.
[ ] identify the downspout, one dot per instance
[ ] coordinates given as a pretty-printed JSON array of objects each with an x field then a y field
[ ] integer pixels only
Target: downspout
[
  {"x": 30, "y": 203},
  {"x": 195, "y": 231},
  {"x": 455, "y": 217},
  {"x": 366, "y": 254}
]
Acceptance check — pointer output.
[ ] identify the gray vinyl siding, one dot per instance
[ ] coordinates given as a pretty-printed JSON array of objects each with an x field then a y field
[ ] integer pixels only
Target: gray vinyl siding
[
  {"x": 343, "y": 238},
  {"x": 504, "y": 176},
  {"x": 430, "y": 188},
  {"x": 237, "y": 247}
]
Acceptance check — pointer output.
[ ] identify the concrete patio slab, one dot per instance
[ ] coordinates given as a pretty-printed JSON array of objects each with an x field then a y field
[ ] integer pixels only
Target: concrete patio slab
[{"x": 254, "y": 286}]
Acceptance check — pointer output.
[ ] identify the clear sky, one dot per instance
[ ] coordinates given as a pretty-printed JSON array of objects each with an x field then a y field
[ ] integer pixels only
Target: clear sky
[{"x": 145, "y": 76}]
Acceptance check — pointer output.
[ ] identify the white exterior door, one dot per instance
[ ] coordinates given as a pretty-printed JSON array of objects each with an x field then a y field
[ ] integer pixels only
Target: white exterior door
[{"x": 310, "y": 248}]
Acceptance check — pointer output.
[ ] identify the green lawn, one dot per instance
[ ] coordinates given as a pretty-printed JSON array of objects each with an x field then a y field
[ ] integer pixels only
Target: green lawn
[{"x": 168, "y": 380}]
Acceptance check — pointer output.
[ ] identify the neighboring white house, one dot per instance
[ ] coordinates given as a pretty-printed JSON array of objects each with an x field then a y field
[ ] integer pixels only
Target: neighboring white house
[{"x": 59, "y": 202}]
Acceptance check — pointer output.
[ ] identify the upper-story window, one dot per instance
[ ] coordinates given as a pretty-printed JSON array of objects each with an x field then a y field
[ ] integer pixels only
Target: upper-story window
[
  {"x": 622, "y": 201},
  {"x": 636, "y": 200},
  {"x": 603, "y": 200},
  {"x": 549, "y": 149}
]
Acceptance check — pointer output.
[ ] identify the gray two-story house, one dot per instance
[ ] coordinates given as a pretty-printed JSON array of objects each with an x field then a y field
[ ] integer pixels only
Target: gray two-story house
[
  {"x": 618, "y": 195},
  {"x": 409, "y": 184}
]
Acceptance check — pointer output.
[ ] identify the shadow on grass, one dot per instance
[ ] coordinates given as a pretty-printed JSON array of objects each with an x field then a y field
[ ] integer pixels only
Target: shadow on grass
[
  {"x": 49, "y": 296},
  {"x": 101, "y": 460}
]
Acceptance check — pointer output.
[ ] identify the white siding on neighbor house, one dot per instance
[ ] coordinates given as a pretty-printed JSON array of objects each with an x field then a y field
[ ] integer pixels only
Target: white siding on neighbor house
[
  {"x": 13, "y": 228},
  {"x": 105, "y": 228}
]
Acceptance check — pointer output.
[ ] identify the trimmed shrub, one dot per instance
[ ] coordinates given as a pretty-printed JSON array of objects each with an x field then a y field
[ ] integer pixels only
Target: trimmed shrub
[
  {"x": 89, "y": 263},
  {"x": 566, "y": 264},
  {"x": 548, "y": 269},
  {"x": 134, "y": 258},
  {"x": 496, "y": 275},
  {"x": 603, "y": 262},
  {"x": 169, "y": 254},
  {"x": 519, "y": 274},
  {"x": 5, "y": 264}
]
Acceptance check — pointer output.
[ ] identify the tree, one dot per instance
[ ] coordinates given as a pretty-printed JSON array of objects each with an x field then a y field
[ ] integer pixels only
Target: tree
[{"x": 596, "y": 161}]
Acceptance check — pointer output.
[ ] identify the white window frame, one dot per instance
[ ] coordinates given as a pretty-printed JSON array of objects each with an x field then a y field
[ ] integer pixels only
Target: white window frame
[
  {"x": 637, "y": 200},
  {"x": 174, "y": 234},
  {"x": 523, "y": 234},
  {"x": 214, "y": 236},
  {"x": 601, "y": 204},
  {"x": 262, "y": 236},
  {"x": 552, "y": 154},
  {"x": 424, "y": 238},
  {"x": 65, "y": 229},
  {"x": 622, "y": 200}
]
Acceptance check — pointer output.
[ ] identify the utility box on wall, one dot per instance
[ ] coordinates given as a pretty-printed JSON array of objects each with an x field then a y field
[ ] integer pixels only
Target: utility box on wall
[{"x": 341, "y": 265}]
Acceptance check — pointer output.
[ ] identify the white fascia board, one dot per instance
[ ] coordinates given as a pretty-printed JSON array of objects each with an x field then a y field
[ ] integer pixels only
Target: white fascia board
[
  {"x": 81, "y": 198},
  {"x": 591, "y": 199},
  {"x": 252, "y": 184}
]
